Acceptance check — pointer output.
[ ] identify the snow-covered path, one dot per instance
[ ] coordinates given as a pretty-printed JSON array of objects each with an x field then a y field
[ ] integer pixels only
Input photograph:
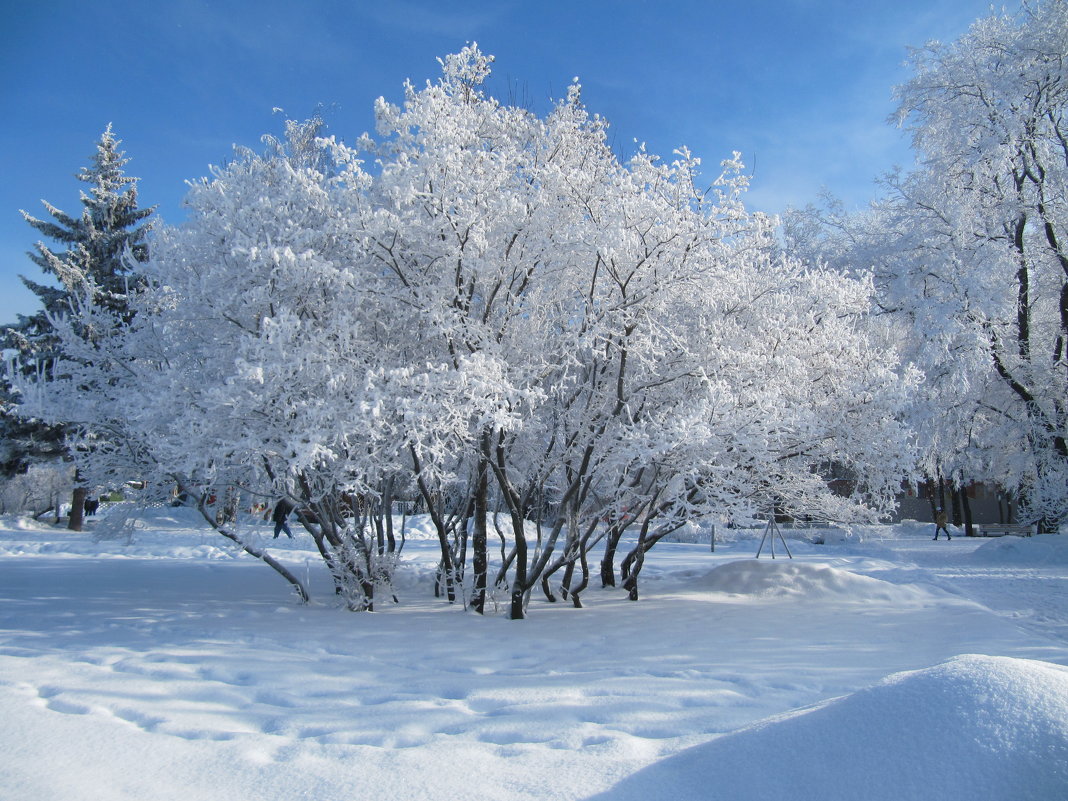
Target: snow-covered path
[{"x": 1020, "y": 578}]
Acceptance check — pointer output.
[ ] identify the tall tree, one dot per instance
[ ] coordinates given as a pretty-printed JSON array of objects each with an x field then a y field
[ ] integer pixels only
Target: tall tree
[
  {"x": 970, "y": 251},
  {"x": 988, "y": 118},
  {"x": 96, "y": 258}
]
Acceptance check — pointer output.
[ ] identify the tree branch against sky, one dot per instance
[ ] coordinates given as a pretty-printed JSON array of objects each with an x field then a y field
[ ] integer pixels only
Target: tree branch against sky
[{"x": 801, "y": 89}]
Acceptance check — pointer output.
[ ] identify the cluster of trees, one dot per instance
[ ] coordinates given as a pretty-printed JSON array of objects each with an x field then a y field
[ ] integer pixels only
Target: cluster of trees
[
  {"x": 970, "y": 254},
  {"x": 489, "y": 311}
]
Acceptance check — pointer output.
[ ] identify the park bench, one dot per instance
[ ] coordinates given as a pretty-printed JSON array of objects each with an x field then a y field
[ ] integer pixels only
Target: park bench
[{"x": 1001, "y": 529}]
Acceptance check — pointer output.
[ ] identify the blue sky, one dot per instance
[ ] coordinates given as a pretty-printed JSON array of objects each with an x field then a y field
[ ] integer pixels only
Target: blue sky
[{"x": 801, "y": 87}]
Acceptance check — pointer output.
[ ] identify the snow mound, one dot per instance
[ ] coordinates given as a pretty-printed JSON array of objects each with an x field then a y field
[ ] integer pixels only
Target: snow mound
[
  {"x": 1043, "y": 550},
  {"x": 976, "y": 728},
  {"x": 23, "y": 523},
  {"x": 792, "y": 579}
]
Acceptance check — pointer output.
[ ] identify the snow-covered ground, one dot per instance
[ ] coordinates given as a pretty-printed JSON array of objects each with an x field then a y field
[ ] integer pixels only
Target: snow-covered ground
[{"x": 880, "y": 665}]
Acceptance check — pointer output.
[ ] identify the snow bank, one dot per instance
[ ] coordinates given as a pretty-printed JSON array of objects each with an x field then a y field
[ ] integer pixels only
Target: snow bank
[
  {"x": 1044, "y": 550},
  {"x": 975, "y": 728},
  {"x": 792, "y": 579}
]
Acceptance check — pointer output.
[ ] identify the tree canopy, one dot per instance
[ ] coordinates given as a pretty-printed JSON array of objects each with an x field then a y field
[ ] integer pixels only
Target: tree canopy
[
  {"x": 498, "y": 314},
  {"x": 969, "y": 254}
]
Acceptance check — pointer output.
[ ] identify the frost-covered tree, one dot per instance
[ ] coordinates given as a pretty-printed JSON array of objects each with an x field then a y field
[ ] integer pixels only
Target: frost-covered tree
[
  {"x": 593, "y": 302},
  {"x": 244, "y": 366},
  {"x": 97, "y": 254},
  {"x": 987, "y": 115},
  {"x": 499, "y": 316},
  {"x": 947, "y": 411},
  {"x": 101, "y": 246},
  {"x": 971, "y": 250}
]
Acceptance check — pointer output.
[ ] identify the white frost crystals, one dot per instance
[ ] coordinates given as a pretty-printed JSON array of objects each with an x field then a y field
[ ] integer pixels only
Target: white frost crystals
[
  {"x": 970, "y": 255},
  {"x": 501, "y": 315}
]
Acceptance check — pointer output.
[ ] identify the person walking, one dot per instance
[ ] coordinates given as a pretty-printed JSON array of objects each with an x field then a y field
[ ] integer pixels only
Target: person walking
[
  {"x": 280, "y": 516},
  {"x": 940, "y": 523}
]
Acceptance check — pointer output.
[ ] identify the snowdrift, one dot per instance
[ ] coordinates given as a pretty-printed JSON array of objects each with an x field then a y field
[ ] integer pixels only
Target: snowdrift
[
  {"x": 1046, "y": 550},
  {"x": 793, "y": 580},
  {"x": 975, "y": 728}
]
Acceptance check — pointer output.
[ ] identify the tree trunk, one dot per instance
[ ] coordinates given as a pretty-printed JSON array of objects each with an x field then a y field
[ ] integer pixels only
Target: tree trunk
[
  {"x": 77, "y": 509},
  {"x": 576, "y": 592},
  {"x": 256, "y": 553},
  {"x": 632, "y": 566},
  {"x": 480, "y": 561},
  {"x": 955, "y": 501},
  {"x": 608, "y": 572},
  {"x": 966, "y": 506},
  {"x": 387, "y": 503},
  {"x": 519, "y": 582},
  {"x": 447, "y": 573}
]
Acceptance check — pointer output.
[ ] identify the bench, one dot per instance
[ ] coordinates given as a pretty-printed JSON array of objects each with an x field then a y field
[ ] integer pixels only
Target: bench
[{"x": 1001, "y": 529}]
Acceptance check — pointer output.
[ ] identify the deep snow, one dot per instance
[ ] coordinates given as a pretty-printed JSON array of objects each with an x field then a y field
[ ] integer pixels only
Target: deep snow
[{"x": 880, "y": 665}]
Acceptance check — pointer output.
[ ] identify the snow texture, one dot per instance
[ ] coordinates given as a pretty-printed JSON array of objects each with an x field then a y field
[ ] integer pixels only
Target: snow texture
[
  {"x": 880, "y": 666},
  {"x": 778, "y": 580},
  {"x": 976, "y": 727}
]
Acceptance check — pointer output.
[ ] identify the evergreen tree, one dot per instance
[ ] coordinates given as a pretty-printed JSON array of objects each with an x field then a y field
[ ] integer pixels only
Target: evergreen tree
[
  {"x": 24, "y": 441},
  {"x": 95, "y": 258}
]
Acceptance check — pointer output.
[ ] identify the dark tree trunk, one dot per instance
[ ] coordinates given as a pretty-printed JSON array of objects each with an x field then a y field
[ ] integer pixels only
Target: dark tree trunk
[
  {"x": 480, "y": 560},
  {"x": 632, "y": 566},
  {"x": 519, "y": 582},
  {"x": 608, "y": 571},
  {"x": 77, "y": 509},
  {"x": 584, "y": 582},
  {"x": 955, "y": 501},
  {"x": 966, "y": 506}
]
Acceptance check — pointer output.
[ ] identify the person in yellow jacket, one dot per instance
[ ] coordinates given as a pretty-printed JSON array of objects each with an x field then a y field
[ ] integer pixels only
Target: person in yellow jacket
[{"x": 940, "y": 523}]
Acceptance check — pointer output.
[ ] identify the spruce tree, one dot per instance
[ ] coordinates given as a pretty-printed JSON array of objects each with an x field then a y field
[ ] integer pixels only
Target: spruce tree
[{"x": 96, "y": 256}]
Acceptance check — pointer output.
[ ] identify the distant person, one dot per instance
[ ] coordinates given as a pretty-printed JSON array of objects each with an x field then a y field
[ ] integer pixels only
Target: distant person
[
  {"x": 940, "y": 523},
  {"x": 91, "y": 506},
  {"x": 281, "y": 513}
]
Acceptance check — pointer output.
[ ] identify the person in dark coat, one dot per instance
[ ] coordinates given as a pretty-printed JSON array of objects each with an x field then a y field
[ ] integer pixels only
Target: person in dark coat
[
  {"x": 940, "y": 523},
  {"x": 280, "y": 515}
]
